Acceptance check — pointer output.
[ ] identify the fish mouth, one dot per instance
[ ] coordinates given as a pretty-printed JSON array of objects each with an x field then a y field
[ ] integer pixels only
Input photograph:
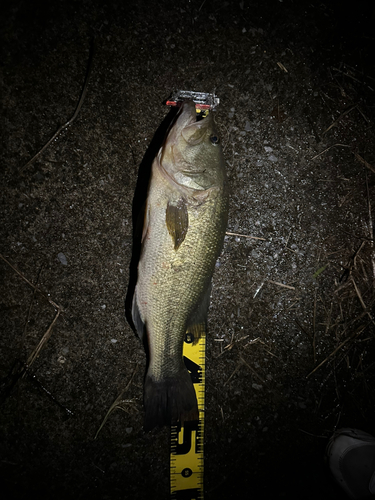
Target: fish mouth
[
  {"x": 186, "y": 116},
  {"x": 176, "y": 156},
  {"x": 186, "y": 125}
]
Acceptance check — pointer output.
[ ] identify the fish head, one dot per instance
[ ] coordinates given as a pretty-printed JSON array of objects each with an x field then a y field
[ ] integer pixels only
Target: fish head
[{"x": 191, "y": 154}]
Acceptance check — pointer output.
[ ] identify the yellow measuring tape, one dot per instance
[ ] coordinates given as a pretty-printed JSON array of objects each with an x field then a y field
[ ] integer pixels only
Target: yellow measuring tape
[{"x": 186, "y": 464}]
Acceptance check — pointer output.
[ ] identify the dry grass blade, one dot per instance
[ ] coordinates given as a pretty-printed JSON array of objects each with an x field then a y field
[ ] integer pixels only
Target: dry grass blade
[
  {"x": 43, "y": 340},
  {"x": 22, "y": 369},
  {"x": 340, "y": 117},
  {"x": 361, "y": 300},
  {"x": 364, "y": 162},
  {"x": 252, "y": 370},
  {"x": 47, "y": 334},
  {"x": 40, "y": 386},
  {"x": 29, "y": 312},
  {"x": 281, "y": 66},
  {"x": 314, "y": 328},
  {"x": 71, "y": 120},
  {"x": 355, "y": 334},
  {"x": 117, "y": 402},
  {"x": 246, "y": 236},
  {"x": 227, "y": 347},
  {"x": 32, "y": 286},
  {"x": 327, "y": 149},
  {"x": 371, "y": 228},
  {"x": 347, "y": 74},
  {"x": 233, "y": 373},
  {"x": 350, "y": 266}
]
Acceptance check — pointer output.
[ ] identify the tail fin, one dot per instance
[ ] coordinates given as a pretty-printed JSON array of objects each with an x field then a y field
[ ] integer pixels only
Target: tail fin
[{"x": 169, "y": 400}]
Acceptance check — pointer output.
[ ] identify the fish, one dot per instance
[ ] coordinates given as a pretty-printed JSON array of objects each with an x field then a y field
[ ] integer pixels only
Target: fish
[{"x": 185, "y": 220}]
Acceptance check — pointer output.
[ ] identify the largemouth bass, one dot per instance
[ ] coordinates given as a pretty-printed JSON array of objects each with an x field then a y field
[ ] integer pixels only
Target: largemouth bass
[{"x": 185, "y": 220}]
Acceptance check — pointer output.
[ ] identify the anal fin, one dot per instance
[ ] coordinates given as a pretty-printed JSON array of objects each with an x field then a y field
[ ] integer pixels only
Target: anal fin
[{"x": 197, "y": 323}]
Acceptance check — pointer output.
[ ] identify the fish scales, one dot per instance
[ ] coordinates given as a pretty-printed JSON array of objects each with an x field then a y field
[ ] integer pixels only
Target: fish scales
[{"x": 185, "y": 222}]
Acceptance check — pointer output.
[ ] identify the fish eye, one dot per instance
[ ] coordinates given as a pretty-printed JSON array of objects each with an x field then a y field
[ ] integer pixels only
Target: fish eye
[{"x": 214, "y": 139}]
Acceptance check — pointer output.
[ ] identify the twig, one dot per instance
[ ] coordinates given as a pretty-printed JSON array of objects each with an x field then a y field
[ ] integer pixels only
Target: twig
[
  {"x": 356, "y": 254},
  {"x": 293, "y": 304},
  {"x": 290, "y": 250},
  {"x": 314, "y": 435},
  {"x": 252, "y": 341},
  {"x": 227, "y": 347},
  {"x": 231, "y": 343},
  {"x": 330, "y": 147},
  {"x": 351, "y": 264},
  {"x": 246, "y": 236},
  {"x": 341, "y": 116},
  {"x": 287, "y": 240},
  {"x": 69, "y": 122},
  {"x": 281, "y": 284}
]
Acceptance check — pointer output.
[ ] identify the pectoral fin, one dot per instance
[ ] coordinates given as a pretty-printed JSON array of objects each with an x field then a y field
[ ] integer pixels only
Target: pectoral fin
[
  {"x": 177, "y": 220},
  {"x": 137, "y": 320}
]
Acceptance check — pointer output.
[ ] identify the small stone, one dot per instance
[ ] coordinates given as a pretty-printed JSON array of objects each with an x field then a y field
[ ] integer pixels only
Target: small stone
[
  {"x": 62, "y": 259},
  {"x": 61, "y": 359}
]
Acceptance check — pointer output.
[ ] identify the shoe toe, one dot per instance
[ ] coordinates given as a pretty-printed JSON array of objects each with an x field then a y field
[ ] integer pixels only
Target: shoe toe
[{"x": 351, "y": 457}]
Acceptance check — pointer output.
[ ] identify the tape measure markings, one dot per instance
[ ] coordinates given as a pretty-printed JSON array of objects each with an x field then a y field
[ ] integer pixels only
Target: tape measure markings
[{"x": 187, "y": 459}]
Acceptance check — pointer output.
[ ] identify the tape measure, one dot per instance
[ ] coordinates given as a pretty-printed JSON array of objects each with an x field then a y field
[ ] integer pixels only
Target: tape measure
[{"x": 186, "y": 459}]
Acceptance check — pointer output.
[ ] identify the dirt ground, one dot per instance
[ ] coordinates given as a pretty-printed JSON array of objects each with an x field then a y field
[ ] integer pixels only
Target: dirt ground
[{"x": 290, "y": 349}]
